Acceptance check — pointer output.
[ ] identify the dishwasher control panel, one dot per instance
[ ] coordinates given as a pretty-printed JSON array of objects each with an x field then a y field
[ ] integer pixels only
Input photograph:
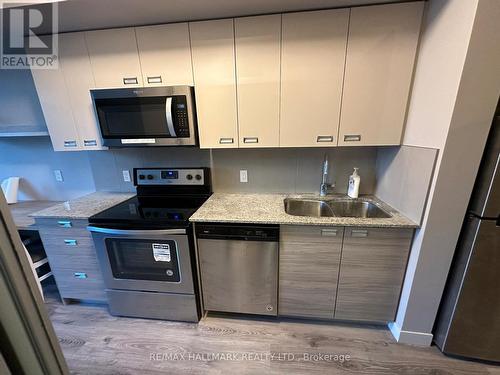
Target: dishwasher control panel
[{"x": 244, "y": 232}]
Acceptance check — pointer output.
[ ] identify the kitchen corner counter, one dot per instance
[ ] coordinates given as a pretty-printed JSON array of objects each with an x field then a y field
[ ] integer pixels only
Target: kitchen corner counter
[
  {"x": 83, "y": 207},
  {"x": 270, "y": 209},
  {"x": 22, "y": 210}
]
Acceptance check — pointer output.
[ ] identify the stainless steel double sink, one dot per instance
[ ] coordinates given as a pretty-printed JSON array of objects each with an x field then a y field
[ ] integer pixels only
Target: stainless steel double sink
[{"x": 334, "y": 207}]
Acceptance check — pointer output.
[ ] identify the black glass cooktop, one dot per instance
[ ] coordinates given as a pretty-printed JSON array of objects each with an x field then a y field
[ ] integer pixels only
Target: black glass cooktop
[{"x": 153, "y": 211}]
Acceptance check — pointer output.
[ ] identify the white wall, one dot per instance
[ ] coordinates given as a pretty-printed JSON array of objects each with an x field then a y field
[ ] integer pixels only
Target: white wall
[
  {"x": 456, "y": 88},
  {"x": 19, "y": 106},
  {"x": 34, "y": 160}
]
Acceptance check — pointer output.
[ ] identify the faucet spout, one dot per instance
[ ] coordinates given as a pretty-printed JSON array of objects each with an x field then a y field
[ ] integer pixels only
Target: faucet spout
[{"x": 323, "y": 188}]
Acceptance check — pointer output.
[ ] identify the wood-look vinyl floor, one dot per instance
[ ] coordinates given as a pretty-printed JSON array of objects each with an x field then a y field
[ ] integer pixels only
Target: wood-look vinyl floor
[{"x": 95, "y": 342}]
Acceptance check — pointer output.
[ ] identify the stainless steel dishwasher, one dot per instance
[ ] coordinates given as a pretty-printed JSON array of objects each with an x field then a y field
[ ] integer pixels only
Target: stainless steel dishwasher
[{"x": 239, "y": 267}]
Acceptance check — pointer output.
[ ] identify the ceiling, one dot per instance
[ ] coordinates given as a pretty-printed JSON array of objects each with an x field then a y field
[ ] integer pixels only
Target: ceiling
[{"x": 75, "y": 15}]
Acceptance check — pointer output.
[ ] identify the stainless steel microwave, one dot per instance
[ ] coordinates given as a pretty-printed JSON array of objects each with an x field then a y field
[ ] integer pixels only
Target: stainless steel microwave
[{"x": 148, "y": 116}]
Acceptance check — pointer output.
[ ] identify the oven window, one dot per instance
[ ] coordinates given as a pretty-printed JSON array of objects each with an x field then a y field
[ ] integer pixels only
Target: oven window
[{"x": 143, "y": 259}]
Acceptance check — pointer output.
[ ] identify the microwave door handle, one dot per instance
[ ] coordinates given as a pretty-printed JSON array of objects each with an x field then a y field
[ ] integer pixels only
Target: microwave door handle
[
  {"x": 133, "y": 232},
  {"x": 168, "y": 116}
]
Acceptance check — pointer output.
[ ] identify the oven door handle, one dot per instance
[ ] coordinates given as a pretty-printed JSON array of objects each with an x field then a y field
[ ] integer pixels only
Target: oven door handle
[{"x": 134, "y": 232}]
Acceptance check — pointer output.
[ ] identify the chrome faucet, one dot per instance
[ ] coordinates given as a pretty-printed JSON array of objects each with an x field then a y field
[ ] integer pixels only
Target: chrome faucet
[{"x": 324, "y": 187}]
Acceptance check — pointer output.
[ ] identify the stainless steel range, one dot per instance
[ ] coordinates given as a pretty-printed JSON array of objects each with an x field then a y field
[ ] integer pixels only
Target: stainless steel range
[{"x": 145, "y": 245}]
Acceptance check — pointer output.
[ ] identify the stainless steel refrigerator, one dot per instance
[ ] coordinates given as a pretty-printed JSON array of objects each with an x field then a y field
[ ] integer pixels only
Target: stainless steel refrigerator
[{"x": 468, "y": 323}]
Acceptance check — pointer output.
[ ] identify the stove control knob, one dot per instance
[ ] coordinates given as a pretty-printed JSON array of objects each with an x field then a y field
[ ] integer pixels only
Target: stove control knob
[
  {"x": 198, "y": 177},
  {"x": 142, "y": 177},
  {"x": 150, "y": 177},
  {"x": 189, "y": 177}
]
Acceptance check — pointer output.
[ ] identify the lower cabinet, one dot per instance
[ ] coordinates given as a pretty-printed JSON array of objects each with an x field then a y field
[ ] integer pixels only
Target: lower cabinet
[
  {"x": 72, "y": 258},
  {"x": 371, "y": 273},
  {"x": 342, "y": 273},
  {"x": 308, "y": 271}
]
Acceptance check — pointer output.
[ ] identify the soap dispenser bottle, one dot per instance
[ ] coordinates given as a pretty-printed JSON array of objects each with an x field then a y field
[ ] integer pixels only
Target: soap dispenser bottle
[{"x": 354, "y": 181}]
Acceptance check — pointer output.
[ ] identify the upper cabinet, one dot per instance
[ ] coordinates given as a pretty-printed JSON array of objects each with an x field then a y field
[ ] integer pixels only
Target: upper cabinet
[
  {"x": 380, "y": 56},
  {"x": 165, "y": 55},
  {"x": 338, "y": 77},
  {"x": 56, "y": 107},
  {"x": 212, "y": 47},
  {"x": 312, "y": 69},
  {"x": 114, "y": 57},
  {"x": 65, "y": 99},
  {"x": 75, "y": 66},
  {"x": 257, "y": 41}
]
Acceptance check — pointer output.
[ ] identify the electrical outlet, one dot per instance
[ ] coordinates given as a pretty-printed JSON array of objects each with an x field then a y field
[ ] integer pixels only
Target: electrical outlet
[
  {"x": 58, "y": 175},
  {"x": 243, "y": 175},
  {"x": 126, "y": 175}
]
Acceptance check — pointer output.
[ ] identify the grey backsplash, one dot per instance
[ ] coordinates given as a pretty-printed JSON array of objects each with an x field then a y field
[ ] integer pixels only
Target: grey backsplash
[
  {"x": 284, "y": 170},
  {"x": 394, "y": 174},
  {"x": 292, "y": 170},
  {"x": 404, "y": 176},
  {"x": 107, "y": 166}
]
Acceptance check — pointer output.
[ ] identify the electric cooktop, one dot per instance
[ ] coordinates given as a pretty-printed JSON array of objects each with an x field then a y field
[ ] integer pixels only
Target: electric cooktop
[{"x": 166, "y": 198}]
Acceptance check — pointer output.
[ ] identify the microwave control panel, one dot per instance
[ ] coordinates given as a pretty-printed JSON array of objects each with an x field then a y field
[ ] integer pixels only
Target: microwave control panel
[{"x": 180, "y": 116}]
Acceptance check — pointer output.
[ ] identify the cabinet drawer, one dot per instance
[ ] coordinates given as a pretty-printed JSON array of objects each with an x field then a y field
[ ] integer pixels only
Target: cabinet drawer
[
  {"x": 67, "y": 243},
  {"x": 57, "y": 226},
  {"x": 72, "y": 258},
  {"x": 79, "y": 282},
  {"x": 311, "y": 234},
  {"x": 69, "y": 249},
  {"x": 372, "y": 268}
]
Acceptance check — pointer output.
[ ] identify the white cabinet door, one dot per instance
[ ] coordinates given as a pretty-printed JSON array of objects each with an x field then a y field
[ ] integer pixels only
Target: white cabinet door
[
  {"x": 56, "y": 107},
  {"x": 75, "y": 65},
  {"x": 114, "y": 58},
  {"x": 212, "y": 47},
  {"x": 312, "y": 70},
  {"x": 257, "y": 41},
  {"x": 379, "y": 65},
  {"x": 165, "y": 54}
]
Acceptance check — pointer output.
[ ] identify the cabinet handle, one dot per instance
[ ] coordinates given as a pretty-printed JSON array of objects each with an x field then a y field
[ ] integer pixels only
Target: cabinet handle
[
  {"x": 70, "y": 143},
  {"x": 359, "y": 233},
  {"x": 89, "y": 142},
  {"x": 80, "y": 275},
  {"x": 65, "y": 223},
  {"x": 329, "y": 232},
  {"x": 250, "y": 140},
  {"x": 352, "y": 138},
  {"x": 156, "y": 79},
  {"x": 70, "y": 242},
  {"x": 226, "y": 140},
  {"x": 130, "y": 81},
  {"x": 324, "y": 138}
]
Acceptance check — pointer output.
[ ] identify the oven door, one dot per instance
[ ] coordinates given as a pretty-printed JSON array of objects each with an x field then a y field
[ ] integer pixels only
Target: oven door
[
  {"x": 145, "y": 117},
  {"x": 146, "y": 260}
]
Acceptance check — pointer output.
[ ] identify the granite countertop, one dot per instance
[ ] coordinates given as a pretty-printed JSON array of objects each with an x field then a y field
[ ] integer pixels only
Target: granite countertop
[
  {"x": 21, "y": 212},
  {"x": 84, "y": 207},
  {"x": 270, "y": 209}
]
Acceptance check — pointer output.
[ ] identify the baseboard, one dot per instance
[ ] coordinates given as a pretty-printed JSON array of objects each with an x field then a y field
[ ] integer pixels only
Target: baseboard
[{"x": 410, "y": 337}]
